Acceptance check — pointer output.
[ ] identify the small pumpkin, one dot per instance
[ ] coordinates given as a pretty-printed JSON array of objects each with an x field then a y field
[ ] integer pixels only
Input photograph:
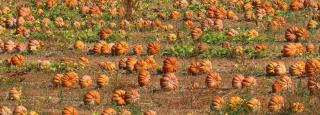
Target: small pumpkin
[
  {"x": 169, "y": 81},
  {"x": 120, "y": 48},
  {"x": 34, "y": 45},
  {"x": 297, "y": 69},
  {"x": 237, "y": 81},
  {"x": 313, "y": 86},
  {"x": 284, "y": 83},
  {"x": 9, "y": 46},
  {"x": 5, "y": 110},
  {"x": 57, "y": 79},
  {"x": 138, "y": 49},
  {"x": 310, "y": 48},
  {"x": 109, "y": 111},
  {"x": 85, "y": 81},
  {"x": 122, "y": 64},
  {"x": 105, "y": 33},
  {"x": 232, "y": 32},
  {"x": 149, "y": 112},
  {"x": 193, "y": 68},
  {"x": 276, "y": 68},
  {"x": 109, "y": 66},
  {"x": 174, "y": 15},
  {"x": 151, "y": 62},
  {"x": 218, "y": 24},
  {"x": 70, "y": 79},
  {"x": 130, "y": 63},
  {"x": 205, "y": 66},
  {"x": 103, "y": 80},
  {"x": 289, "y": 50},
  {"x": 196, "y": 32},
  {"x": 141, "y": 65},
  {"x": 202, "y": 47},
  {"x": 312, "y": 67},
  {"x": 20, "y": 110},
  {"x": 153, "y": 48},
  {"x": 213, "y": 80},
  {"x": 16, "y": 60},
  {"x": 92, "y": 98},
  {"x": 132, "y": 95},
  {"x": 254, "y": 104},
  {"x": 69, "y": 110},
  {"x": 232, "y": 16},
  {"x": 217, "y": 103},
  {"x": 119, "y": 96},
  {"x": 79, "y": 45},
  {"x": 249, "y": 81},
  {"x": 144, "y": 78},
  {"x": 170, "y": 64},
  {"x": 276, "y": 103},
  {"x": 15, "y": 94}
]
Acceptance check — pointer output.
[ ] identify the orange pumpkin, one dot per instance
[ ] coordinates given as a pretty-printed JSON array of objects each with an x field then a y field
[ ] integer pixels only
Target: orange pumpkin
[
  {"x": 217, "y": 103},
  {"x": 130, "y": 63},
  {"x": 69, "y": 79},
  {"x": 92, "y": 98},
  {"x": 296, "y": 34},
  {"x": 71, "y": 3},
  {"x": 218, "y": 24},
  {"x": 120, "y": 48},
  {"x": 144, "y": 78},
  {"x": 132, "y": 96},
  {"x": 188, "y": 15},
  {"x": 196, "y": 32},
  {"x": 153, "y": 48},
  {"x": 51, "y": 3},
  {"x": 15, "y": 94},
  {"x": 16, "y": 60},
  {"x": 151, "y": 62},
  {"x": 170, "y": 64},
  {"x": 85, "y": 81},
  {"x": 169, "y": 81},
  {"x": 232, "y": 32},
  {"x": 193, "y": 68},
  {"x": 20, "y": 110},
  {"x": 79, "y": 45},
  {"x": 296, "y": 5},
  {"x": 9, "y": 46},
  {"x": 205, "y": 66},
  {"x": 313, "y": 86},
  {"x": 141, "y": 65},
  {"x": 119, "y": 96},
  {"x": 276, "y": 103},
  {"x": 57, "y": 79},
  {"x": 138, "y": 49},
  {"x": 237, "y": 81},
  {"x": 213, "y": 80},
  {"x": 276, "y": 68},
  {"x": 232, "y": 16},
  {"x": 69, "y": 110},
  {"x": 84, "y": 10},
  {"x": 202, "y": 47},
  {"x": 312, "y": 67},
  {"x": 284, "y": 83},
  {"x": 312, "y": 24},
  {"x": 149, "y": 112},
  {"x": 34, "y": 45},
  {"x": 109, "y": 66},
  {"x": 109, "y": 111},
  {"x": 297, "y": 69},
  {"x": 310, "y": 48},
  {"x": 105, "y": 33},
  {"x": 5, "y": 110},
  {"x": 102, "y": 80},
  {"x": 249, "y": 82},
  {"x": 174, "y": 15},
  {"x": 122, "y": 64},
  {"x": 260, "y": 46},
  {"x": 289, "y": 50}
]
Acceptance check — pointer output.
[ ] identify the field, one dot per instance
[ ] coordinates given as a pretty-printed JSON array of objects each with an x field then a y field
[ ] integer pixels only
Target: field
[{"x": 159, "y": 57}]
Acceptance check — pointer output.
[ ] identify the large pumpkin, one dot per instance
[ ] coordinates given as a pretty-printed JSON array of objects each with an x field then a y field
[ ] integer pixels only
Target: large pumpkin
[
  {"x": 70, "y": 79},
  {"x": 213, "y": 80},
  {"x": 169, "y": 81}
]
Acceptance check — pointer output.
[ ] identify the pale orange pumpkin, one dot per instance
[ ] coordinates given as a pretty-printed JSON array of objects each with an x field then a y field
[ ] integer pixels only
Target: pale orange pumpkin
[
  {"x": 276, "y": 68},
  {"x": 217, "y": 103},
  {"x": 169, "y": 81},
  {"x": 20, "y": 110},
  {"x": 57, "y": 79},
  {"x": 296, "y": 5},
  {"x": 232, "y": 16},
  {"x": 5, "y": 110},
  {"x": 152, "y": 64},
  {"x": 213, "y": 80},
  {"x": 109, "y": 111},
  {"x": 289, "y": 50},
  {"x": 202, "y": 47},
  {"x": 237, "y": 81},
  {"x": 132, "y": 96},
  {"x": 153, "y": 48},
  {"x": 188, "y": 15},
  {"x": 260, "y": 46},
  {"x": 69, "y": 110},
  {"x": 284, "y": 83},
  {"x": 276, "y": 103},
  {"x": 85, "y": 81},
  {"x": 51, "y": 3},
  {"x": 297, "y": 69},
  {"x": 205, "y": 66},
  {"x": 138, "y": 50},
  {"x": 232, "y": 32},
  {"x": 24, "y": 11},
  {"x": 170, "y": 64},
  {"x": 119, "y": 96},
  {"x": 218, "y": 24},
  {"x": 196, "y": 32},
  {"x": 70, "y": 79},
  {"x": 84, "y": 10},
  {"x": 193, "y": 68},
  {"x": 310, "y": 48},
  {"x": 313, "y": 85},
  {"x": 109, "y": 66},
  {"x": 312, "y": 67},
  {"x": 249, "y": 81},
  {"x": 71, "y": 3},
  {"x": 122, "y": 63},
  {"x": 105, "y": 33},
  {"x": 9, "y": 46},
  {"x": 149, "y": 112},
  {"x": 140, "y": 65},
  {"x": 103, "y": 80},
  {"x": 15, "y": 94},
  {"x": 33, "y": 45},
  {"x": 92, "y": 98},
  {"x": 130, "y": 63},
  {"x": 120, "y": 48}
]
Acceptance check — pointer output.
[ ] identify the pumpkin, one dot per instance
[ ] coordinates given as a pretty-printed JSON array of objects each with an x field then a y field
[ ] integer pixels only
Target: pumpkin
[
  {"x": 5, "y": 110},
  {"x": 141, "y": 65},
  {"x": 120, "y": 48},
  {"x": 69, "y": 79},
  {"x": 170, "y": 64},
  {"x": 169, "y": 81},
  {"x": 313, "y": 86},
  {"x": 294, "y": 33},
  {"x": 95, "y": 11},
  {"x": 188, "y": 24},
  {"x": 34, "y": 45},
  {"x": 217, "y": 103},
  {"x": 297, "y": 107},
  {"x": 51, "y": 3},
  {"x": 188, "y": 15},
  {"x": 125, "y": 112},
  {"x": 194, "y": 85},
  {"x": 109, "y": 66},
  {"x": 122, "y": 11},
  {"x": 282, "y": 84},
  {"x": 153, "y": 48},
  {"x": 277, "y": 22},
  {"x": 130, "y": 63},
  {"x": 57, "y": 79},
  {"x": 105, "y": 33},
  {"x": 92, "y": 98},
  {"x": 276, "y": 68},
  {"x": 297, "y": 69},
  {"x": 248, "y": 15},
  {"x": 84, "y": 61},
  {"x": 247, "y": 6},
  {"x": 14, "y": 94},
  {"x": 85, "y": 81},
  {"x": 296, "y": 5},
  {"x": 16, "y": 60},
  {"x": 119, "y": 96},
  {"x": 59, "y": 21},
  {"x": 24, "y": 11},
  {"x": 151, "y": 62},
  {"x": 254, "y": 104},
  {"x": 174, "y": 15},
  {"x": 79, "y": 45},
  {"x": 261, "y": 13},
  {"x": 196, "y": 32},
  {"x": 144, "y": 78},
  {"x": 9, "y": 46},
  {"x": 205, "y": 66},
  {"x": 84, "y": 10},
  {"x": 69, "y": 110},
  {"x": 310, "y": 48},
  {"x": 226, "y": 45},
  {"x": 218, "y": 24},
  {"x": 232, "y": 16},
  {"x": 193, "y": 68},
  {"x": 138, "y": 49},
  {"x": 260, "y": 46},
  {"x": 249, "y": 82},
  {"x": 122, "y": 64},
  {"x": 238, "y": 51},
  {"x": 132, "y": 95},
  {"x": 206, "y": 23},
  {"x": 102, "y": 80},
  {"x": 149, "y": 112},
  {"x": 312, "y": 24},
  {"x": 171, "y": 37},
  {"x": 276, "y": 103},
  {"x": 202, "y": 47},
  {"x": 20, "y": 110},
  {"x": 237, "y": 81},
  {"x": 109, "y": 111},
  {"x": 213, "y": 80},
  {"x": 289, "y": 50},
  {"x": 71, "y": 3},
  {"x": 232, "y": 32},
  {"x": 312, "y": 67}
]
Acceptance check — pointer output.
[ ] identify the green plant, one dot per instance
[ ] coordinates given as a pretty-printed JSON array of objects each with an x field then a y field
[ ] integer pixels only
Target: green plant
[{"x": 181, "y": 51}]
